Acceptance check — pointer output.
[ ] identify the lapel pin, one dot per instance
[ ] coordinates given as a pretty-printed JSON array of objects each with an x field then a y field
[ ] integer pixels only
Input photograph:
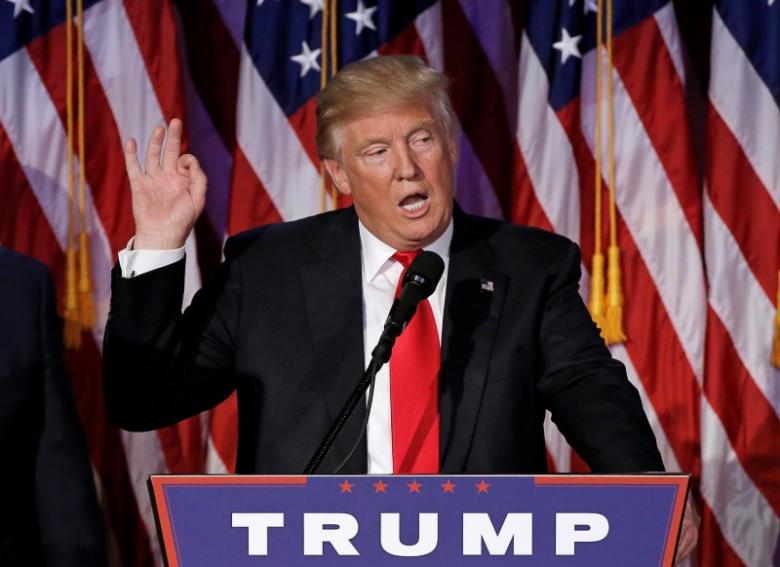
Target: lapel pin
[{"x": 487, "y": 286}]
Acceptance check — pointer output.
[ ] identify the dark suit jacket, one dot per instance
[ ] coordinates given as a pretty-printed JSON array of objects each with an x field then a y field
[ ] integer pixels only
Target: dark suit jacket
[
  {"x": 282, "y": 324},
  {"x": 48, "y": 508}
]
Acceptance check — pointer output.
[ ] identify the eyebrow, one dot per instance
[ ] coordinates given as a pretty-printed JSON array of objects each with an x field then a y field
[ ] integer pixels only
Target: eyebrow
[{"x": 424, "y": 125}]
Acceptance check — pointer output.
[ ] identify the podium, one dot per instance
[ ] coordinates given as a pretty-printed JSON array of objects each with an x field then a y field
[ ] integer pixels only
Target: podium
[{"x": 438, "y": 520}]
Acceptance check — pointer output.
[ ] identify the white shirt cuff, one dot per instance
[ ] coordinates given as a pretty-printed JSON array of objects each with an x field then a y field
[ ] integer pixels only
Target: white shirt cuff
[{"x": 136, "y": 262}]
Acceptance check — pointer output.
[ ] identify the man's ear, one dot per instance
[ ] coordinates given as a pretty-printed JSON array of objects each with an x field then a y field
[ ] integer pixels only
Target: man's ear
[
  {"x": 337, "y": 175},
  {"x": 453, "y": 148}
]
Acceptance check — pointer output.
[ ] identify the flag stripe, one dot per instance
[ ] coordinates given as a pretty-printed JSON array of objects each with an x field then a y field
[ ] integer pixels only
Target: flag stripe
[
  {"x": 649, "y": 79},
  {"x": 749, "y": 315},
  {"x": 250, "y": 204},
  {"x": 154, "y": 26},
  {"x": 546, "y": 149},
  {"x": 213, "y": 60},
  {"x": 751, "y": 215},
  {"x": 286, "y": 171},
  {"x": 489, "y": 133},
  {"x": 735, "y": 86},
  {"x": 104, "y": 165}
]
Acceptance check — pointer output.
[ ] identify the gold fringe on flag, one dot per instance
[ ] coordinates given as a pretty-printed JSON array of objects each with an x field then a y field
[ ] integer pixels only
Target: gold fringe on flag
[
  {"x": 606, "y": 309},
  {"x": 79, "y": 301},
  {"x": 597, "y": 296},
  {"x": 72, "y": 316},
  {"x": 613, "y": 324},
  {"x": 776, "y": 341},
  {"x": 328, "y": 68},
  {"x": 86, "y": 300}
]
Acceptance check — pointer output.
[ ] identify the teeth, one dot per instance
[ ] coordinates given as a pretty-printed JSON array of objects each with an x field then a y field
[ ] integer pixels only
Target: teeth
[{"x": 414, "y": 206}]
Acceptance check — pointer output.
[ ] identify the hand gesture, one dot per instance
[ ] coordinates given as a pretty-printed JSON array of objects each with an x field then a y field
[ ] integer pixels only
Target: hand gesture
[{"x": 170, "y": 195}]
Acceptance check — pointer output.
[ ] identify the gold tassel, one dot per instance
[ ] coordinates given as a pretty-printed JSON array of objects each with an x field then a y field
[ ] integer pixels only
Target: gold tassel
[
  {"x": 776, "y": 341},
  {"x": 596, "y": 300},
  {"x": 72, "y": 320},
  {"x": 613, "y": 325},
  {"x": 86, "y": 301},
  {"x": 72, "y": 332}
]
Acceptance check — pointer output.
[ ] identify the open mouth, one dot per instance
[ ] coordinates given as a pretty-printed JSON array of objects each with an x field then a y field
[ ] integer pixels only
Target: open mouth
[{"x": 414, "y": 204}]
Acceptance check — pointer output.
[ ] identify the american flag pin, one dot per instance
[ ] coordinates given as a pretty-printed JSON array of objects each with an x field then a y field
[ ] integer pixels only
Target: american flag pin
[{"x": 487, "y": 285}]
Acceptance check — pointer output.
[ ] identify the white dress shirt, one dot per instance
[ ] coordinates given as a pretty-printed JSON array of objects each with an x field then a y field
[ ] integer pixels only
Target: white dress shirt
[{"x": 380, "y": 279}]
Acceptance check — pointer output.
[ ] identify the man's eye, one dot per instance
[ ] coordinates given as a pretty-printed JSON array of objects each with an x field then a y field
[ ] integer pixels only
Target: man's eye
[
  {"x": 376, "y": 152},
  {"x": 422, "y": 140}
]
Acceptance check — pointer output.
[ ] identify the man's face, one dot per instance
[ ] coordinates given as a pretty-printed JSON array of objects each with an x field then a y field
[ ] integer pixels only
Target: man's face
[{"x": 398, "y": 167}]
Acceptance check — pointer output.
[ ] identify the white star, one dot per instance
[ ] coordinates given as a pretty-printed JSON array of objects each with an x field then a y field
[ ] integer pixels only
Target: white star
[
  {"x": 362, "y": 17},
  {"x": 590, "y": 6},
  {"x": 20, "y": 5},
  {"x": 260, "y": 2},
  {"x": 568, "y": 46},
  {"x": 314, "y": 7},
  {"x": 307, "y": 59},
  {"x": 770, "y": 2}
]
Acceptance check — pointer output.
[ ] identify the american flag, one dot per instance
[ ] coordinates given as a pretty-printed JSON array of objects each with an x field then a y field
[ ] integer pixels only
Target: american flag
[{"x": 700, "y": 246}]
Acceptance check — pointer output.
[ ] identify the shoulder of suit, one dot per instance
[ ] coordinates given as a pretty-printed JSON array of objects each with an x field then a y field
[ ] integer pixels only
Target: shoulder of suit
[
  {"x": 502, "y": 235},
  {"x": 21, "y": 267},
  {"x": 22, "y": 278},
  {"x": 283, "y": 235}
]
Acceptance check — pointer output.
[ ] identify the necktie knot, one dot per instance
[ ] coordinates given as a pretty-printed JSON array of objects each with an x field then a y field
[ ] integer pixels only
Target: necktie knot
[{"x": 405, "y": 257}]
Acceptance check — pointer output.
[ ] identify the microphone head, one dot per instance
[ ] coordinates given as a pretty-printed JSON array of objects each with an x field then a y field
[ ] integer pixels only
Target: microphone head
[{"x": 425, "y": 271}]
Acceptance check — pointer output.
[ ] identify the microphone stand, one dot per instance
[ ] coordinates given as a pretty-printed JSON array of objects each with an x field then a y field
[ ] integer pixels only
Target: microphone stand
[{"x": 379, "y": 356}]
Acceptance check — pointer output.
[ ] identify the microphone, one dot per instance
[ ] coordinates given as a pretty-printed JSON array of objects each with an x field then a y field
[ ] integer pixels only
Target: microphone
[{"x": 420, "y": 280}]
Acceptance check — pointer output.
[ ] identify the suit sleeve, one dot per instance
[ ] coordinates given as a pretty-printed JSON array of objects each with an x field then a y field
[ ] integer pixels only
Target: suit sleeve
[
  {"x": 69, "y": 521},
  {"x": 588, "y": 393},
  {"x": 162, "y": 365}
]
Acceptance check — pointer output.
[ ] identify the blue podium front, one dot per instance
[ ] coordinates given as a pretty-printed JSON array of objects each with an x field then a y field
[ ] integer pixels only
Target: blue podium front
[{"x": 419, "y": 520}]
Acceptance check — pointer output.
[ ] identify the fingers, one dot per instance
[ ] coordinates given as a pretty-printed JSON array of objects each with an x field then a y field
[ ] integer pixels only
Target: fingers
[
  {"x": 153, "y": 149},
  {"x": 172, "y": 145},
  {"x": 131, "y": 159},
  {"x": 188, "y": 165}
]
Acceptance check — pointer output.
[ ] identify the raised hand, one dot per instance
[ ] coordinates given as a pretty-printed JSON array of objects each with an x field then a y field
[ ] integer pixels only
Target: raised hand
[{"x": 170, "y": 195}]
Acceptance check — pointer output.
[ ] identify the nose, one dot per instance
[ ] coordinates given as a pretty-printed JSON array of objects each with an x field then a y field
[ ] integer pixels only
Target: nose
[{"x": 405, "y": 167}]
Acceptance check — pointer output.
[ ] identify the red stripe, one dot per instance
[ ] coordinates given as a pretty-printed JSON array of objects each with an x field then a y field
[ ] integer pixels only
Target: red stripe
[
  {"x": 658, "y": 96},
  {"x": 35, "y": 237},
  {"x": 155, "y": 32},
  {"x": 569, "y": 117},
  {"x": 743, "y": 203},
  {"x": 182, "y": 446},
  {"x": 304, "y": 123},
  {"x": 713, "y": 549},
  {"x": 482, "y": 111},
  {"x": 407, "y": 42},
  {"x": 250, "y": 205},
  {"x": 105, "y": 169},
  {"x": 750, "y": 422},
  {"x": 525, "y": 207}
]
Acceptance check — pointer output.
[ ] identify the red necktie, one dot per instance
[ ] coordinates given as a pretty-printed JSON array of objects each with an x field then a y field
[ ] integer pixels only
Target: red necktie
[{"x": 414, "y": 389}]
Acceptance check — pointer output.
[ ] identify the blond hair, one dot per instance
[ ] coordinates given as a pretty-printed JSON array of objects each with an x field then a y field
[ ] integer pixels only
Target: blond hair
[{"x": 373, "y": 85}]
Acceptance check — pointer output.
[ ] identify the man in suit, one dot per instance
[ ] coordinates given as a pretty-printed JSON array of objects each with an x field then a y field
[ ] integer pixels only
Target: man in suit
[
  {"x": 50, "y": 513},
  {"x": 291, "y": 317}
]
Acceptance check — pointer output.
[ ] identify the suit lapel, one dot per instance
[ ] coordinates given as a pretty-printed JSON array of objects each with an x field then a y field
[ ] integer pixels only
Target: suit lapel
[
  {"x": 333, "y": 297},
  {"x": 474, "y": 299}
]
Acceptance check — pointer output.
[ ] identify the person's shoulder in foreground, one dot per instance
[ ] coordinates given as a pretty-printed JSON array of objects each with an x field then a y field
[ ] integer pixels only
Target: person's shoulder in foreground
[{"x": 50, "y": 509}]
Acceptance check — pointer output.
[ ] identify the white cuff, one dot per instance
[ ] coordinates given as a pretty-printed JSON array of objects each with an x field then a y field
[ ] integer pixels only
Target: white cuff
[{"x": 136, "y": 262}]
